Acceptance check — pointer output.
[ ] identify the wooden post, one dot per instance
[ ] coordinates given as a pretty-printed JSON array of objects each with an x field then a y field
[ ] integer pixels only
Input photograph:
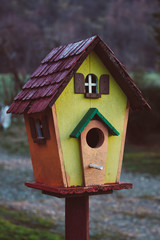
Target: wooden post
[
  {"x": 77, "y": 218},
  {"x": 77, "y": 204}
]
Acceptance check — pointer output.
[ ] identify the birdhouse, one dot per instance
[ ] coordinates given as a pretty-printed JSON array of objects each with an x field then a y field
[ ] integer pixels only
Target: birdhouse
[{"x": 76, "y": 107}]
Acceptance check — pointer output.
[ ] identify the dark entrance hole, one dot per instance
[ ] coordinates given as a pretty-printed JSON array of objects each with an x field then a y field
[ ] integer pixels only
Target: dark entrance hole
[{"x": 95, "y": 137}]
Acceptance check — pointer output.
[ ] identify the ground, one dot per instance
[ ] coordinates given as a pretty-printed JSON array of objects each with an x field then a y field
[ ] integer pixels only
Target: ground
[{"x": 126, "y": 214}]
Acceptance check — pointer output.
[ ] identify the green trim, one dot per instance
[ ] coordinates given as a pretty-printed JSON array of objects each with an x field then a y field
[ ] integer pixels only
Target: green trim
[{"x": 87, "y": 118}]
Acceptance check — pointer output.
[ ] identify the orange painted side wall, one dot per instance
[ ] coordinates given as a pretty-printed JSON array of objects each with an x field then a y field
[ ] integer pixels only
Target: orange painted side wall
[{"x": 45, "y": 157}]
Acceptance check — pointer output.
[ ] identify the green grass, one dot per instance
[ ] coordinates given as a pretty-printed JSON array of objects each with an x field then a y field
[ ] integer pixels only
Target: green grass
[
  {"x": 19, "y": 225},
  {"x": 9, "y": 84},
  {"x": 146, "y": 79},
  {"x": 14, "y": 139},
  {"x": 152, "y": 78},
  {"x": 7, "y": 87},
  {"x": 143, "y": 79},
  {"x": 22, "y": 218},
  {"x": 110, "y": 235},
  {"x": 142, "y": 162}
]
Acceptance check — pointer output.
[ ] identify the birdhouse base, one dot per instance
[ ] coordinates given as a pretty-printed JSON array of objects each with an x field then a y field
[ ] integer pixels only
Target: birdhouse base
[
  {"x": 76, "y": 191},
  {"x": 77, "y": 204}
]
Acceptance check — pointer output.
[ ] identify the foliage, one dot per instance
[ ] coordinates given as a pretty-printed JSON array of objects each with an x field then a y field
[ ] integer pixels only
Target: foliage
[
  {"x": 27, "y": 220},
  {"x": 142, "y": 161},
  {"x": 109, "y": 235},
  {"x": 24, "y": 226},
  {"x": 157, "y": 27},
  {"x": 29, "y": 30},
  {"x": 7, "y": 88},
  {"x": 143, "y": 126},
  {"x": 14, "y": 139}
]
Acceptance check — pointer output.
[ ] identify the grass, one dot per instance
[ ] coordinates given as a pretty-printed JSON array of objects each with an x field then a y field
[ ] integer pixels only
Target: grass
[
  {"x": 150, "y": 197},
  {"x": 22, "y": 218},
  {"x": 7, "y": 87},
  {"x": 24, "y": 226},
  {"x": 142, "y": 161},
  {"x": 146, "y": 79},
  {"x": 14, "y": 139},
  {"x": 143, "y": 79},
  {"x": 152, "y": 78},
  {"x": 110, "y": 235}
]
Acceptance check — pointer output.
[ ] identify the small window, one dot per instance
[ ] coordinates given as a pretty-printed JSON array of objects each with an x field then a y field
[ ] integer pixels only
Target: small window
[
  {"x": 91, "y": 84},
  {"x": 39, "y": 129}
]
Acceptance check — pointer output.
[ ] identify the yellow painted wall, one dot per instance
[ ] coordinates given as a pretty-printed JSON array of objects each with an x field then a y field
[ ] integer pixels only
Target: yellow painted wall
[{"x": 71, "y": 107}]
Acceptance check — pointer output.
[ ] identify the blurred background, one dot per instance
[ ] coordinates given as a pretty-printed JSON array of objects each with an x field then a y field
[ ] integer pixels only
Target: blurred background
[{"x": 28, "y": 31}]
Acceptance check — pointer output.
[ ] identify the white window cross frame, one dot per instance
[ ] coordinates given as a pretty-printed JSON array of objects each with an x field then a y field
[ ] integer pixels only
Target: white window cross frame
[{"x": 90, "y": 84}]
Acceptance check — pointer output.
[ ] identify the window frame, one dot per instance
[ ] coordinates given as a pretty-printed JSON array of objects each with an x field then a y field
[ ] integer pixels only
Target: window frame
[
  {"x": 102, "y": 85},
  {"x": 91, "y": 81},
  {"x": 38, "y": 137},
  {"x": 39, "y": 128}
]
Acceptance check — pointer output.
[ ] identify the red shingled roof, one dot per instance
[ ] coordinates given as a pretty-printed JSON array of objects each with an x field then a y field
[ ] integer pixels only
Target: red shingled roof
[{"x": 58, "y": 67}]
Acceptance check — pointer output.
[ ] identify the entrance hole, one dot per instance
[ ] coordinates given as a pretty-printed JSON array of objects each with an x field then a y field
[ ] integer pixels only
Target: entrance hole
[{"x": 95, "y": 138}]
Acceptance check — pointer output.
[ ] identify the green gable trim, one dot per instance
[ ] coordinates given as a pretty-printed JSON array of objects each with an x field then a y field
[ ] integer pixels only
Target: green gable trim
[{"x": 92, "y": 112}]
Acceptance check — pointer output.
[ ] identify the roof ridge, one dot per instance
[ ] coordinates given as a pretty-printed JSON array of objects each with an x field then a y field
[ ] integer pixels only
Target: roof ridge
[{"x": 59, "y": 66}]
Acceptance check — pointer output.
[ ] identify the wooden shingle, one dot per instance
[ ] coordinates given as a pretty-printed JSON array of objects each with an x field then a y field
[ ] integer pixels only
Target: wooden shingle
[{"x": 60, "y": 65}]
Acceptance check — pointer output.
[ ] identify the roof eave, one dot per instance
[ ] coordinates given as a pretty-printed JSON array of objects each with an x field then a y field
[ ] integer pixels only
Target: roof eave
[
  {"x": 118, "y": 71},
  {"x": 126, "y": 83},
  {"x": 121, "y": 76}
]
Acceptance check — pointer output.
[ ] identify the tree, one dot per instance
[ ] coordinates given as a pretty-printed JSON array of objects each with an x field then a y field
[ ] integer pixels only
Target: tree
[
  {"x": 156, "y": 27},
  {"x": 6, "y": 49}
]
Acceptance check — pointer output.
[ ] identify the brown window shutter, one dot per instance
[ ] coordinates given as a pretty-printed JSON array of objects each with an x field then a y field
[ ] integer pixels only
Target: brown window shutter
[
  {"x": 45, "y": 127},
  {"x": 79, "y": 83},
  {"x": 104, "y": 84},
  {"x": 32, "y": 127}
]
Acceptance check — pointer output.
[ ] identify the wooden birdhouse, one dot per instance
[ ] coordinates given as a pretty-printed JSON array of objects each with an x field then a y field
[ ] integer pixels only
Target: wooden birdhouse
[{"x": 76, "y": 107}]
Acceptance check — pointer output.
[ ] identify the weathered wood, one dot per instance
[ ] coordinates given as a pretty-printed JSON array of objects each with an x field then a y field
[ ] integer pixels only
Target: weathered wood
[
  {"x": 121, "y": 76},
  {"x": 56, "y": 127},
  {"x": 45, "y": 127},
  {"x": 45, "y": 157},
  {"x": 74, "y": 106},
  {"x": 104, "y": 84},
  {"x": 77, "y": 218},
  {"x": 41, "y": 140},
  {"x": 79, "y": 83},
  {"x": 39, "y": 102},
  {"x": 63, "y": 192},
  {"x": 32, "y": 127},
  {"x": 94, "y": 151},
  {"x": 123, "y": 142},
  {"x": 93, "y": 95}
]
